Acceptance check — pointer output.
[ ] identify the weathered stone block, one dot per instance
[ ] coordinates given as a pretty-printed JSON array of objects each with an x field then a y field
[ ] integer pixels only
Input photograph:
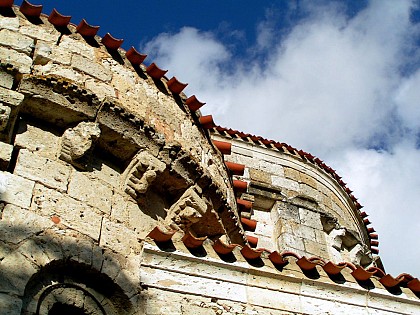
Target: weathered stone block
[
  {"x": 259, "y": 176},
  {"x": 308, "y": 180},
  {"x": 18, "y": 224},
  {"x": 315, "y": 248},
  {"x": 119, "y": 238},
  {"x": 6, "y": 79},
  {"x": 72, "y": 213},
  {"x": 5, "y": 154},
  {"x": 43, "y": 142},
  {"x": 15, "y": 273},
  {"x": 310, "y": 218},
  {"x": 10, "y": 23},
  {"x": 58, "y": 70},
  {"x": 49, "y": 34},
  {"x": 19, "y": 60},
  {"x": 18, "y": 190},
  {"x": 284, "y": 183},
  {"x": 102, "y": 90},
  {"x": 287, "y": 240},
  {"x": 285, "y": 211},
  {"x": 91, "y": 68},
  {"x": 45, "y": 52},
  {"x": 92, "y": 192},
  {"x": 77, "y": 46},
  {"x": 16, "y": 41},
  {"x": 44, "y": 170},
  {"x": 10, "y": 97}
]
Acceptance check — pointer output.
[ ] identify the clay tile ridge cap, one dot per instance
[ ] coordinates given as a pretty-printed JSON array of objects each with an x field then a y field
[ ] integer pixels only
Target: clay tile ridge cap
[
  {"x": 87, "y": 30},
  {"x": 193, "y": 103},
  {"x": 134, "y": 56},
  {"x": 59, "y": 20},
  {"x": 30, "y": 9},
  {"x": 159, "y": 235},
  {"x": 111, "y": 42}
]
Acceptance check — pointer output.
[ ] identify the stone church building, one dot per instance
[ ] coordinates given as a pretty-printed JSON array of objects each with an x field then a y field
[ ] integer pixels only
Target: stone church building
[{"x": 119, "y": 197}]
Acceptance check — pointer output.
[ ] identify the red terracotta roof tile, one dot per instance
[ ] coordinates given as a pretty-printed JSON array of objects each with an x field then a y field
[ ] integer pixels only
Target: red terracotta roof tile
[
  {"x": 86, "y": 29},
  {"x": 159, "y": 235},
  {"x": 155, "y": 72},
  {"x": 111, "y": 42},
  {"x": 223, "y": 146},
  {"x": 222, "y": 248},
  {"x": 134, "y": 56},
  {"x": 176, "y": 86},
  {"x": 193, "y": 103},
  {"x": 190, "y": 241},
  {"x": 30, "y": 9},
  {"x": 58, "y": 19},
  {"x": 6, "y": 3},
  {"x": 235, "y": 168}
]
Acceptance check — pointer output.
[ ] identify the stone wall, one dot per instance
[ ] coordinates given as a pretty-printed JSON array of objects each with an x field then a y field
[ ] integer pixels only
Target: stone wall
[
  {"x": 299, "y": 207},
  {"x": 95, "y": 154}
]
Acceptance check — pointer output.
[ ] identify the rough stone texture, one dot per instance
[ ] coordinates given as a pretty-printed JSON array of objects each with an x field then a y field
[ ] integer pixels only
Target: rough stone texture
[
  {"x": 77, "y": 226},
  {"x": 20, "y": 61},
  {"x": 91, "y": 192},
  {"x": 5, "y": 155},
  {"x": 35, "y": 139},
  {"x": 18, "y": 224},
  {"x": 78, "y": 142},
  {"x": 71, "y": 212},
  {"x": 18, "y": 190},
  {"x": 6, "y": 80},
  {"x": 16, "y": 41},
  {"x": 44, "y": 170}
]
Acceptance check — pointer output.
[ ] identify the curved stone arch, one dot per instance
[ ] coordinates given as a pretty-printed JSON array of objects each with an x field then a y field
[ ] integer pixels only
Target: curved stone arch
[
  {"x": 69, "y": 285},
  {"x": 51, "y": 258}
]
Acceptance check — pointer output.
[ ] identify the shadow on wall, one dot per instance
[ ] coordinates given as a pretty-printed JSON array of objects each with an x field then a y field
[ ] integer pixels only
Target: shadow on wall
[{"x": 56, "y": 271}]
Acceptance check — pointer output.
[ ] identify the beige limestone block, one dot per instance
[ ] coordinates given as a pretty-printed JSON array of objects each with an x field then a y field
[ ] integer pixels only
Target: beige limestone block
[
  {"x": 291, "y": 173},
  {"x": 93, "y": 192},
  {"x": 169, "y": 280},
  {"x": 47, "y": 34},
  {"x": 5, "y": 153},
  {"x": 6, "y": 80},
  {"x": 100, "y": 89},
  {"x": 18, "y": 224},
  {"x": 10, "y": 97},
  {"x": 19, "y": 60},
  {"x": 274, "y": 299},
  {"x": 34, "y": 253},
  {"x": 282, "y": 182},
  {"x": 10, "y": 23},
  {"x": 45, "y": 52},
  {"x": 77, "y": 47},
  {"x": 44, "y": 170},
  {"x": 16, "y": 41},
  {"x": 139, "y": 221},
  {"x": 119, "y": 238},
  {"x": 18, "y": 190},
  {"x": 286, "y": 241},
  {"x": 310, "y": 192},
  {"x": 91, "y": 68},
  {"x": 310, "y": 218},
  {"x": 72, "y": 213},
  {"x": 315, "y": 248},
  {"x": 259, "y": 176},
  {"x": 58, "y": 70},
  {"x": 308, "y": 180},
  {"x": 15, "y": 273},
  {"x": 43, "y": 142}
]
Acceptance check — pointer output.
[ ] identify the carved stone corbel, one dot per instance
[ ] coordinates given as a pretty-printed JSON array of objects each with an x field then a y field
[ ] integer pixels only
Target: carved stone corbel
[
  {"x": 140, "y": 174},
  {"x": 189, "y": 209},
  {"x": 336, "y": 236},
  {"x": 78, "y": 142}
]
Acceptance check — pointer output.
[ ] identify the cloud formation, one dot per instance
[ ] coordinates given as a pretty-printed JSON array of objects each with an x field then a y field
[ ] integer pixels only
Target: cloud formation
[{"x": 343, "y": 88}]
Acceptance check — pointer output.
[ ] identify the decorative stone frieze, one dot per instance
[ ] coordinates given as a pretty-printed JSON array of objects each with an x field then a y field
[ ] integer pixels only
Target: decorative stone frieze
[
  {"x": 141, "y": 173},
  {"x": 78, "y": 142}
]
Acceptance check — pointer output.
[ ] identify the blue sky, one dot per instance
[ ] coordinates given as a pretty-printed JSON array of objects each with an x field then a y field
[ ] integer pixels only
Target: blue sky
[{"x": 339, "y": 79}]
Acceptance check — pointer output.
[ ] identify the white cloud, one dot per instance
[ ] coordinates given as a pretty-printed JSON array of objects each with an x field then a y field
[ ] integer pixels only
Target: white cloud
[{"x": 332, "y": 86}]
